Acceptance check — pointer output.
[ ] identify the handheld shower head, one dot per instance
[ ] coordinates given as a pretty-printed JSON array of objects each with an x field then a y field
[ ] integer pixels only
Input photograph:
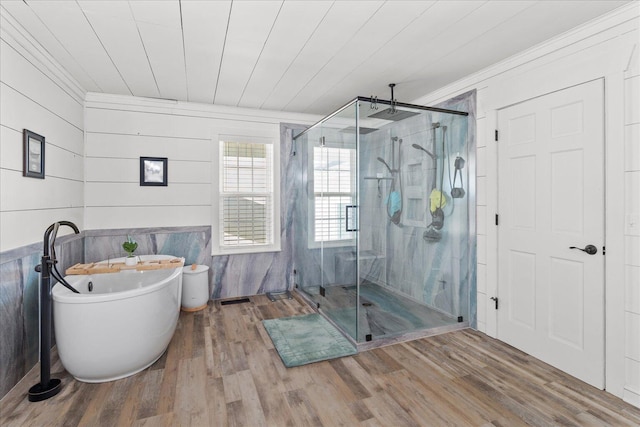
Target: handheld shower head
[
  {"x": 419, "y": 147},
  {"x": 381, "y": 160}
]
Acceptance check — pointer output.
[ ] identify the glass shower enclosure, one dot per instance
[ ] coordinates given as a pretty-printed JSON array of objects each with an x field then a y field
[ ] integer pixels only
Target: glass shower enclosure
[{"x": 382, "y": 219}]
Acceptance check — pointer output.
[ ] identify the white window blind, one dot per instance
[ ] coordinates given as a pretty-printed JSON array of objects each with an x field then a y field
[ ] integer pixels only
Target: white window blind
[
  {"x": 246, "y": 214},
  {"x": 334, "y": 182}
]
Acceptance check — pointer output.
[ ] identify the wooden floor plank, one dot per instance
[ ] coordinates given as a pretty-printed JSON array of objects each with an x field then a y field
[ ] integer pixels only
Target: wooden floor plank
[
  {"x": 191, "y": 407},
  {"x": 221, "y": 369}
]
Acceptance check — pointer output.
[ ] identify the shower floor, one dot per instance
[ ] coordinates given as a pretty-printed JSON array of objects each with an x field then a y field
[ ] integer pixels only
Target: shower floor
[{"x": 382, "y": 314}]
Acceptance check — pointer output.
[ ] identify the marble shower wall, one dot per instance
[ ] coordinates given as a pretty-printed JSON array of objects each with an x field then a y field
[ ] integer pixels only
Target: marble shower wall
[
  {"x": 19, "y": 302},
  {"x": 440, "y": 274}
]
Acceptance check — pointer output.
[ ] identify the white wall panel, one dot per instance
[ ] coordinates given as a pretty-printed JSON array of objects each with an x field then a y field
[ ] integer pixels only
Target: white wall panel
[
  {"x": 632, "y": 147},
  {"x": 632, "y": 326},
  {"x": 135, "y": 146},
  {"x": 150, "y": 124},
  {"x": 21, "y": 228},
  {"x": 481, "y": 161},
  {"x": 482, "y": 308},
  {"x": 632, "y": 369},
  {"x": 33, "y": 99},
  {"x": 16, "y": 71},
  {"x": 632, "y": 193},
  {"x": 632, "y": 289},
  {"x": 19, "y": 112},
  {"x": 128, "y": 170},
  {"x": 481, "y": 128},
  {"x": 632, "y": 227},
  {"x": 22, "y": 193},
  {"x": 481, "y": 280},
  {"x": 10, "y": 149},
  {"x": 146, "y": 216},
  {"x": 481, "y": 220},
  {"x": 59, "y": 162},
  {"x": 481, "y": 191},
  {"x": 122, "y": 129},
  {"x": 632, "y": 250},
  {"x": 632, "y": 100},
  {"x": 132, "y": 194},
  {"x": 481, "y": 249}
]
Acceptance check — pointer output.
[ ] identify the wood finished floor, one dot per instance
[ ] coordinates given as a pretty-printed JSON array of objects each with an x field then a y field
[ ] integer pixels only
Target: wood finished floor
[{"x": 221, "y": 369}]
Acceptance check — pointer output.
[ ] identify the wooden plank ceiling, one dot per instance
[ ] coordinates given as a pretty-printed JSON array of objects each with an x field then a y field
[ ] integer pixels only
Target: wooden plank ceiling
[{"x": 292, "y": 55}]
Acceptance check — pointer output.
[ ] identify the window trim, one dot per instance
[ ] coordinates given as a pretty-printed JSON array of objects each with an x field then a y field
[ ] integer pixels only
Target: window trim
[{"x": 217, "y": 248}]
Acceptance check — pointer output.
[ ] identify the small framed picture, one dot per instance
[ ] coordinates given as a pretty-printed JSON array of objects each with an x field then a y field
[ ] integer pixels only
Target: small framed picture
[
  {"x": 33, "y": 155},
  {"x": 153, "y": 171}
]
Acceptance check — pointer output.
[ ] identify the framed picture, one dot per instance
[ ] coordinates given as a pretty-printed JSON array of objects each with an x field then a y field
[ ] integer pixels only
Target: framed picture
[
  {"x": 153, "y": 171},
  {"x": 33, "y": 155}
]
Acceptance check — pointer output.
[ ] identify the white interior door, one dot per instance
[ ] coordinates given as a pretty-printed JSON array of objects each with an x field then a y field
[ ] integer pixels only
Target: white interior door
[{"x": 551, "y": 197}]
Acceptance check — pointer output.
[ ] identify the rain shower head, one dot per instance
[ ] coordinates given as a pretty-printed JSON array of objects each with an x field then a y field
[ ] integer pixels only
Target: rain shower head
[
  {"x": 381, "y": 160},
  {"x": 390, "y": 114},
  {"x": 419, "y": 147}
]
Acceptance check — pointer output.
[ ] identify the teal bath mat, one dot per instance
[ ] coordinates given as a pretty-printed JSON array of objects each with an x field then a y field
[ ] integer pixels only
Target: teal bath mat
[{"x": 306, "y": 339}]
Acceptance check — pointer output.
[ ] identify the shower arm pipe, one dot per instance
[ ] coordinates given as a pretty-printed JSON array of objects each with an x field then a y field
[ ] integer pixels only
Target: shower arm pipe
[{"x": 380, "y": 101}]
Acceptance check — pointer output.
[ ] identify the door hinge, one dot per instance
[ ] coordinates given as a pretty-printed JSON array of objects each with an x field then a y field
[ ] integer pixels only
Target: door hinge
[
  {"x": 497, "y": 219},
  {"x": 495, "y": 299},
  {"x": 322, "y": 141},
  {"x": 603, "y": 250},
  {"x": 496, "y": 135}
]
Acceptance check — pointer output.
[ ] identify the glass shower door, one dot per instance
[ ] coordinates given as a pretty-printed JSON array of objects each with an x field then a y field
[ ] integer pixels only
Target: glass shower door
[{"x": 330, "y": 159}]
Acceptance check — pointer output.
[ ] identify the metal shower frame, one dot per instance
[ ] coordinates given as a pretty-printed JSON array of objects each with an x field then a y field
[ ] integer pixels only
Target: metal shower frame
[{"x": 390, "y": 103}]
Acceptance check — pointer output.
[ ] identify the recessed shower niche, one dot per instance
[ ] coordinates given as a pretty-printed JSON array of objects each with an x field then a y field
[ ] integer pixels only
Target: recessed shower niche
[{"x": 383, "y": 242}]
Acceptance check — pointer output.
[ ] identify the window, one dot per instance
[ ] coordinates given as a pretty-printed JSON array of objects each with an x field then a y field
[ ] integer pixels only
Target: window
[
  {"x": 247, "y": 215},
  {"x": 333, "y": 191}
]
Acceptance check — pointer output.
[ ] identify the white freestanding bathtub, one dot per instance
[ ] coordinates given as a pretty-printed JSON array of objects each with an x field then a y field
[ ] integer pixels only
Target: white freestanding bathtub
[{"x": 119, "y": 327}]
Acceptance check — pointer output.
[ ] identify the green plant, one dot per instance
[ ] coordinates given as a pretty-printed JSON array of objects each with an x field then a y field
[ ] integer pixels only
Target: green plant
[{"x": 130, "y": 246}]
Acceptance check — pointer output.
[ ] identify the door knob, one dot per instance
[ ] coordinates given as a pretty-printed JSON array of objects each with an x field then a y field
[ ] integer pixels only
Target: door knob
[{"x": 590, "y": 249}]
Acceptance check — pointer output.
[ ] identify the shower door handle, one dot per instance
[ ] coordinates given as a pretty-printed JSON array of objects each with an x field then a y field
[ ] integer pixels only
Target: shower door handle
[{"x": 351, "y": 220}]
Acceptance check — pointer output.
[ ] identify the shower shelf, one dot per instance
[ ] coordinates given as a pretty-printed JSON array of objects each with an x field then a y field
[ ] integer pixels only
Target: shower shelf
[{"x": 381, "y": 178}]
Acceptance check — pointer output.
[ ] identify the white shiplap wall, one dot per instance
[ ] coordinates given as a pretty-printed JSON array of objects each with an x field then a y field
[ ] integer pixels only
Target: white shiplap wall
[
  {"x": 120, "y": 129},
  {"x": 36, "y": 94},
  {"x": 605, "y": 48},
  {"x": 632, "y": 227}
]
